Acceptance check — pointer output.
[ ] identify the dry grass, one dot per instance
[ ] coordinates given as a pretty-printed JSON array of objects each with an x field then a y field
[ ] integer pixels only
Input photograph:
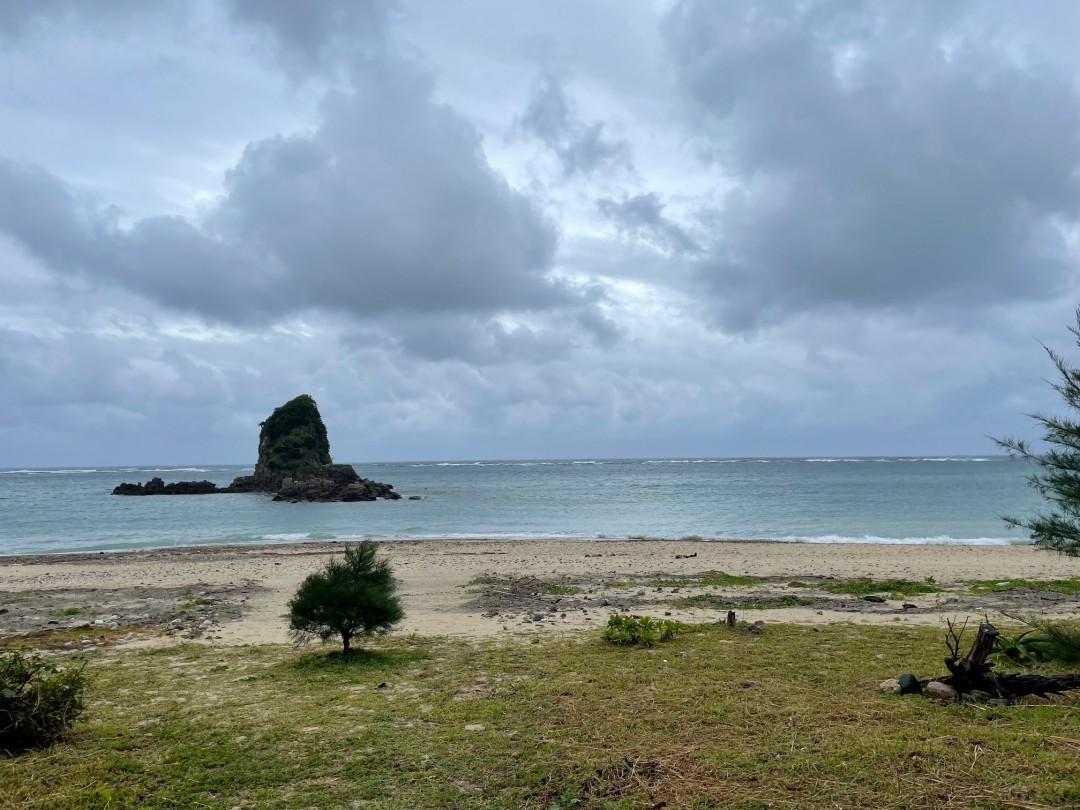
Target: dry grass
[{"x": 716, "y": 719}]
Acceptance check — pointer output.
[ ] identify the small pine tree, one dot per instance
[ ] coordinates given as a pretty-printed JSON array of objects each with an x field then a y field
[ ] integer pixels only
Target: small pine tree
[
  {"x": 353, "y": 596},
  {"x": 1058, "y": 475}
]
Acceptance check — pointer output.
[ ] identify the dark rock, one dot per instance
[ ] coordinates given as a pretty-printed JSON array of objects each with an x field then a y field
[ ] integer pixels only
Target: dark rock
[
  {"x": 909, "y": 684},
  {"x": 872, "y": 598},
  {"x": 749, "y": 684},
  {"x": 909, "y": 606},
  {"x": 294, "y": 463},
  {"x": 155, "y": 486},
  {"x": 414, "y": 497}
]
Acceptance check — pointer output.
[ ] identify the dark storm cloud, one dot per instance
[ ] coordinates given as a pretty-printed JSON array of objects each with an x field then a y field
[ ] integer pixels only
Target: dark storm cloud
[
  {"x": 883, "y": 157},
  {"x": 388, "y": 206},
  {"x": 643, "y": 215},
  {"x": 581, "y": 147}
]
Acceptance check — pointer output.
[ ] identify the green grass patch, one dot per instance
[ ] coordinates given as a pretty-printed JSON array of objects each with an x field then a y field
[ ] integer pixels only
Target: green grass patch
[
  {"x": 865, "y": 587},
  {"x": 707, "y": 579},
  {"x": 1068, "y": 587},
  {"x": 71, "y": 611},
  {"x": 710, "y": 719}
]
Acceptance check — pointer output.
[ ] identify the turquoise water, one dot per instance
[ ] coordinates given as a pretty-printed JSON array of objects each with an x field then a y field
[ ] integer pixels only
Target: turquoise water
[{"x": 869, "y": 500}]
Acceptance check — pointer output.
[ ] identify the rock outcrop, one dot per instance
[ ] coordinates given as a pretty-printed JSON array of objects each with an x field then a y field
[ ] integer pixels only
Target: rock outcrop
[
  {"x": 155, "y": 486},
  {"x": 294, "y": 463}
]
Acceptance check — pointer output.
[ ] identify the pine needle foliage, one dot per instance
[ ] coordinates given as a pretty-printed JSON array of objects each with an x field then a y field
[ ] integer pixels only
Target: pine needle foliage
[
  {"x": 353, "y": 596},
  {"x": 1057, "y": 478}
]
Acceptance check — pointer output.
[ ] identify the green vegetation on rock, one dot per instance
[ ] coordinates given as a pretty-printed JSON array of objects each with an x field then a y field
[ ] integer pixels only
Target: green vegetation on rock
[{"x": 292, "y": 444}]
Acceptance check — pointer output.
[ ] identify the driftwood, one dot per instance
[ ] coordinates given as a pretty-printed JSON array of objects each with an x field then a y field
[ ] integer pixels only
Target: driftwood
[{"x": 973, "y": 673}]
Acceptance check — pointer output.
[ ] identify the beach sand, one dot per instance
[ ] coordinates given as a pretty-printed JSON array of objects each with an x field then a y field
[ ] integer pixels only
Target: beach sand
[{"x": 238, "y": 594}]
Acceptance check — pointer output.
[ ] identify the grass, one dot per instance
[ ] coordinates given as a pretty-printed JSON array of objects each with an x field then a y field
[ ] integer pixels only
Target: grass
[
  {"x": 71, "y": 611},
  {"x": 713, "y": 579},
  {"x": 57, "y": 638},
  {"x": 1065, "y": 586},
  {"x": 567, "y": 722},
  {"x": 865, "y": 587}
]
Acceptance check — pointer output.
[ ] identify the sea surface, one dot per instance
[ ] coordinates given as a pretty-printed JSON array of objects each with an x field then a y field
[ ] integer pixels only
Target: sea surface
[{"x": 852, "y": 500}]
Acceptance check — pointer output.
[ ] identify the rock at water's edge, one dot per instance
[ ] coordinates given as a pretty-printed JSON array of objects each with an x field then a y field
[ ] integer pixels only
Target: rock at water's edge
[{"x": 294, "y": 463}]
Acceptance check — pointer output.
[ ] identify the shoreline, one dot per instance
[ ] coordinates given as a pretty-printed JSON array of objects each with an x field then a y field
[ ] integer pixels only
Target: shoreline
[
  {"x": 95, "y": 553},
  {"x": 237, "y": 594}
]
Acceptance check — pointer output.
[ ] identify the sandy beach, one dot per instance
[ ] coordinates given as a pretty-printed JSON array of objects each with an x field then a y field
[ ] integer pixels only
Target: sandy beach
[{"x": 238, "y": 594}]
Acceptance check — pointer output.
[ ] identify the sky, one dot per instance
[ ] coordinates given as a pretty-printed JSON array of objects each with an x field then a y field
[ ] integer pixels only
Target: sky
[{"x": 580, "y": 228}]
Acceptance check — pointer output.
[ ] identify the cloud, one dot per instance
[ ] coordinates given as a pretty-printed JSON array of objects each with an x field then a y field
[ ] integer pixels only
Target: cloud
[
  {"x": 882, "y": 158},
  {"x": 19, "y": 16},
  {"x": 315, "y": 33},
  {"x": 582, "y": 148},
  {"x": 643, "y": 214},
  {"x": 388, "y": 206}
]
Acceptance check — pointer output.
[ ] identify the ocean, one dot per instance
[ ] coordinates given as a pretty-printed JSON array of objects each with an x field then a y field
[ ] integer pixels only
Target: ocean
[{"x": 851, "y": 500}]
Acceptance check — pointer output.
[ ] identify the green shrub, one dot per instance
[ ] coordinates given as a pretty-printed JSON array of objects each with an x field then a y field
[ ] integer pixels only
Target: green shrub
[
  {"x": 38, "y": 701},
  {"x": 1050, "y": 640},
  {"x": 351, "y": 597},
  {"x": 643, "y": 631}
]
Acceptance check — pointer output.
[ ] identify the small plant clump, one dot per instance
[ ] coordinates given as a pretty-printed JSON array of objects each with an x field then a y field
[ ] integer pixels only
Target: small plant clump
[
  {"x": 354, "y": 596},
  {"x": 38, "y": 701},
  {"x": 1067, "y": 587},
  {"x": 865, "y": 587},
  {"x": 1047, "y": 640},
  {"x": 640, "y": 631}
]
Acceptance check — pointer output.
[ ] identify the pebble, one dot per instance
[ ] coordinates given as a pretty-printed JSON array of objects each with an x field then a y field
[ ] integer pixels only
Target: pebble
[
  {"x": 890, "y": 687},
  {"x": 474, "y": 727},
  {"x": 940, "y": 691}
]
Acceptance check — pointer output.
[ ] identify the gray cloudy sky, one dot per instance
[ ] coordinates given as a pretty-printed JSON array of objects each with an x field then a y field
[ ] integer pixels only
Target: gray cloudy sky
[{"x": 480, "y": 229}]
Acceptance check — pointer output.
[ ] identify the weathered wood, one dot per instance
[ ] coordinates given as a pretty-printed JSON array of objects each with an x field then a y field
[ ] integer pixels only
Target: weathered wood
[
  {"x": 973, "y": 673},
  {"x": 731, "y": 618},
  {"x": 975, "y": 660}
]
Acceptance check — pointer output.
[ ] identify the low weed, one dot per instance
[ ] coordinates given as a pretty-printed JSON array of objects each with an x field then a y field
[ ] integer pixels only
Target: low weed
[
  {"x": 71, "y": 611},
  {"x": 865, "y": 587},
  {"x": 706, "y": 579},
  {"x": 1068, "y": 587},
  {"x": 38, "y": 701},
  {"x": 1048, "y": 640},
  {"x": 640, "y": 631}
]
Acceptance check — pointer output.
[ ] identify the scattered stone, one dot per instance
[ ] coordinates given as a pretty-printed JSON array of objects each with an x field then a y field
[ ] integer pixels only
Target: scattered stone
[
  {"x": 53, "y": 621},
  {"x": 873, "y": 598},
  {"x": 382, "y": 685},
  {"x": 685, "y": 556},
  {"x": 757, "y": 627},
  {"x": 890, "y": 687},
  {"x": 909, "y": 606},
  {"x": 819, "y": 628},
  {"x": 940, "y": 691},
  {"x": 749, "y": 684},
  {"x": 474, "y": 727},
  {"x": 414, "y": 497},
  {"x": 538, "y": 617},
  {"x": 909, "y": 684}
]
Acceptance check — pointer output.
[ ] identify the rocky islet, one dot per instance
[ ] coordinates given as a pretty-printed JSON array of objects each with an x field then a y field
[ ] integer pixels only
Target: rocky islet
[{"x": 294, "y": 465}]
